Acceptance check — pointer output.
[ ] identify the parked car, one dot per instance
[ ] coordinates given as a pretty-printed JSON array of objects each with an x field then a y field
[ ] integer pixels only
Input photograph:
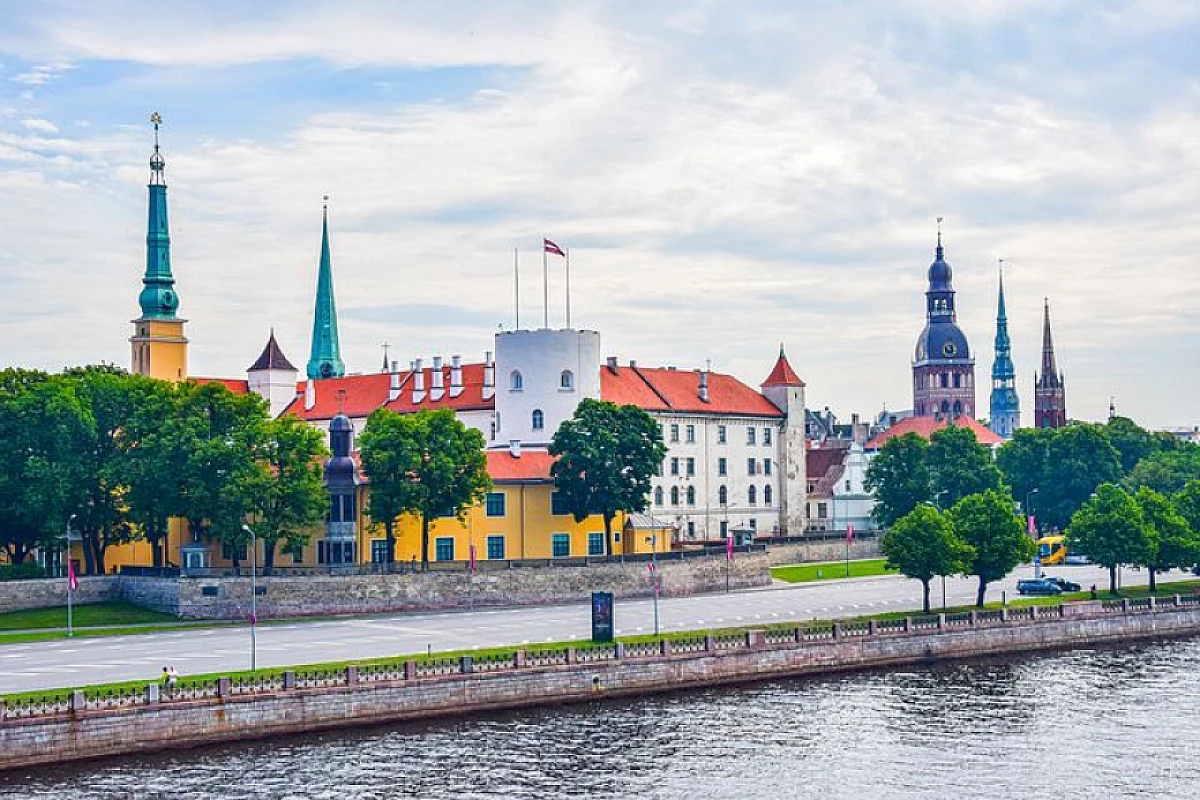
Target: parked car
[
  {"x": 1066, "y": 586},
  {"x": 1038, "y": 586},
  {"x": 1077, "y": 560}
]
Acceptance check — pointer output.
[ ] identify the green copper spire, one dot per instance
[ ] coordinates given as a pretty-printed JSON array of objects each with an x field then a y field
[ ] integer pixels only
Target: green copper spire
[
  {"x": 325, "y": 360},
  {"x": 1005, "y": 406},
  {"x": 158, "y": 298}
]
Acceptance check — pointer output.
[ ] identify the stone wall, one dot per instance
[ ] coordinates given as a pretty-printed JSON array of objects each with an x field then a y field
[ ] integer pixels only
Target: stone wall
[
  {"x": 47, "y": 592},
  {"x": 81, "y": 732}
]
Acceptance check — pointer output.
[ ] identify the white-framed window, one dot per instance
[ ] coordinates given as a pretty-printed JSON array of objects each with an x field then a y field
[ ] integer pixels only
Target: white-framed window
[
  {"x": 658, "y": 495},
  {"x": 722, "y": 466},
  {"x": 515, "y": 382},
  {"x": 539, "y": 419},
  {"x": 691, "y": 466},
  {"x": 722, "y": 434},
  {"x": 723, "y": 496},
  {"x": 751, "y": 435},
  {"x": 767, "y": 495},
  {"x": 751, "y": 466},
  {"x": 690, "y": 434},
  {"x": 766, "y": 466},
  {"x": 752, "y": 495},
  {"x": 566, "y": 380},
  {"x": 691, "y": 495},
  {"x": 674, "y": 466},
  {"x": 766, "y": 436},
  {"x": 674, "y": 432},
  {"x": 674, "y": 495}
]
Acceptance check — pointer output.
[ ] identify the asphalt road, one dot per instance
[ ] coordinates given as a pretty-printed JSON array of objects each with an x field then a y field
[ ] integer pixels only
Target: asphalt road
[{"x": 58, "y": 663}]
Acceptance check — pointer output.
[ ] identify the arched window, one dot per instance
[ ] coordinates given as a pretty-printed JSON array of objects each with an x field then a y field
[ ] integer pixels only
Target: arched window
[
  {"x": 753, "y": 495},
  {"x": 723, "y": 496},
  {"x": 674, "y": 495},
  {"x": 515, "y": 382},
  {"x": 957, "y": 407},
  {"x": 945, "y": 407},
  {"x": 658, "y": 496},
  {"x": 957, "y": 380},
  {"x": 539, "y": 419},
  {"x": 566, "y": 380},
  {"x": 945, "y": 380},
  {"x": 766, "y": 495},
  {"x": 691, "y": 495}
]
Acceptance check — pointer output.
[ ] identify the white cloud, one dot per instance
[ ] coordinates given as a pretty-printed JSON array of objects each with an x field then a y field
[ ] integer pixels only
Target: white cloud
[{"x": 40, "y": 125}]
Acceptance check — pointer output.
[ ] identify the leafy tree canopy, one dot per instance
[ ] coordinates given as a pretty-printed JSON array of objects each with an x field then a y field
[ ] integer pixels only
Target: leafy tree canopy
[
  {"x": 922, "y": 544},
  {"x": 1166, "y": 471},
  {"x": 899, "y": 477},
  {"x": 1131, "y": 441},
  {"x": 1174, "y": 544},
  {"x": 1079, "y": 459},
  {"x": 1111, "y": 528},
  {"x": 997, "y": 539},
  {"x": 960, "y": 466}
]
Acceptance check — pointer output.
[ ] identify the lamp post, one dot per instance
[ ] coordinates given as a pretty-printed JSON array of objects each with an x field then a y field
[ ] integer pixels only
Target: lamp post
[
  {"x": 654, "y": 575},
  {"x": 253, "y": 596},
  {"x": 1032, "y": 523},
  {"x": 70, "y": 581}
]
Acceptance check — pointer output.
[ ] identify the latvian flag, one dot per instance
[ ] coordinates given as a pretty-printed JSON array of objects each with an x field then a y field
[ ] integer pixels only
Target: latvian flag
[{"x": 552, "y": 248}]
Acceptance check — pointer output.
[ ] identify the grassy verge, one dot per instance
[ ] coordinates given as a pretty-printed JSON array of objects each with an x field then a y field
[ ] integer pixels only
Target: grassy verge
[
  {"x": 831, "y": 570},
  {"x": 1165, "y": 590},
  {"x": 110, "y": 614}
]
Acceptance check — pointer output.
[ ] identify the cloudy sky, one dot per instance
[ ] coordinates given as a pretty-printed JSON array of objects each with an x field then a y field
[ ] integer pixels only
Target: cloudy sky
[{"x": 728, "y": 176}]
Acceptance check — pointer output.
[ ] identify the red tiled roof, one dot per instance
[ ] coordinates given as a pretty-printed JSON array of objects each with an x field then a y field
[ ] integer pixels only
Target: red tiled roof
[
  {"x": 533, "y": 465},
  {"x": 782, "y": 374},
  {"x": 924, "y": 426},
  {"x": 232, "y": 384},
  {"x": 819, "y": 460},
  {"x": 365, "y": 393},
  {"x": 661, "y": 389}
]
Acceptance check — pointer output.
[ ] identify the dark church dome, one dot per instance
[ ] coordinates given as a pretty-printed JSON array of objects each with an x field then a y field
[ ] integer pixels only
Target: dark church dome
[
  {"x": 940, "y": 274},
  {"x": 942, "y": 341}
]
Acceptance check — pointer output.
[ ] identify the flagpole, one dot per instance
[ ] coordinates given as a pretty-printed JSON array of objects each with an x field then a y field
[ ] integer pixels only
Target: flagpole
[
  {"x": 567, "y": 256},
  {"x": 545, "y": 287},
  {"x": 517, "y": 288}
]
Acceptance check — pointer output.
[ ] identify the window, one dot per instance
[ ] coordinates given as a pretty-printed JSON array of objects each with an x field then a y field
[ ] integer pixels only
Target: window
[
  {"x": 724, "y": 529},
  {"x": 495, "y": 504},
  {"x": 721, "y": 434},
  {"x": 945, "y": 380},
  {"x": 957, "y": 381},
  {"x": 691, "y": 495},
  {"x": 766, "y": 435},
  {"x": 767, "y": 495},
  {"x": 596, "y": 543},
  {"x": 723, "y": 496},
  {"x": 495, "y": 548},
  {"x": 690, "y": 433},
  {"x": 766, "y": 466},
  {"x": 334, "y": 552},
  {"x": 752, "y": 495},
  {"x": 674, "y": 432},
  {"x": 691, "y": 466},
  {"x": 751, "y": 465},
  {"x": 822, "y": 510},
  {"x": 945, "y": 407},
  {"x": 658, "y": 495},
  {"x": 539, "y": 419},
  {"x": 341, "y": 508},
  {"x": 379, "y": 551},
  {"x": 691, "y": 530},
  {"x": 560, "y": 545},
  {"x": 515, "y": 382},
  {"x": 750, "y": 435},
  {"x": 233, "y": 552},
  {"x": 847, "y": 486},
  {"x": 674, "y": 495},
  {"x": 558, "y": 504},
  {"x": 566, "y": 380},
  {"x": 753, "y": 524},
  {"x": 957, "y": 407},
  {"x": 296, "y": 551},
  {"x": 674, "y": 466},
  {"x": 444, "y": 548},
  {"x": 722, "y": 466}
]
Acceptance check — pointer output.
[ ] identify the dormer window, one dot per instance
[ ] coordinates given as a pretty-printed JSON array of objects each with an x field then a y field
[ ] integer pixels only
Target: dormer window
[
  {"x": 515, "y": 382},
  {"x": 566, "y": 380}
]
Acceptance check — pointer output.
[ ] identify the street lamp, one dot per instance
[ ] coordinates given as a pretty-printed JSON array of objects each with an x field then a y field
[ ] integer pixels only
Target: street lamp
[
  {"x": 70, "y": 580},
  {"x": 1032, "y": 526},
  {"x": 253, "y": 596}
]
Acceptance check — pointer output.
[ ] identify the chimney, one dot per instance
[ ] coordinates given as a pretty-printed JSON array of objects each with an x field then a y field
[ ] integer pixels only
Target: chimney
[
  {"x": 704, "y": 387},
  {"x": 418, "y": 368},
  {"x": 489, "y": 376},
  {"x": 612, "y": 364},
  {"x": 514, "y": 448},
  {"x": 854, "y": 419},
  {"x": 456, "y": 378},
  {"x": 632, "y": 364},
  {"x": 393, "y": 383},
  {"x": 310, "y": 394},
  {"x": 437, "y": 388}
]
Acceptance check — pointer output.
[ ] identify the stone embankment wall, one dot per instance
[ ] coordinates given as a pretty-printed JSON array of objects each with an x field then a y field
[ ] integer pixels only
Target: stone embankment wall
[
  {"x": 293, "y": 596},
  {"x": 242, "y": 710}
]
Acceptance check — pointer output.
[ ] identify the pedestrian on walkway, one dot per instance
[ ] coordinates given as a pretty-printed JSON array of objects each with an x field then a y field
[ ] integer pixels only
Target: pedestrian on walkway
[{"x": 172, "y": 679}]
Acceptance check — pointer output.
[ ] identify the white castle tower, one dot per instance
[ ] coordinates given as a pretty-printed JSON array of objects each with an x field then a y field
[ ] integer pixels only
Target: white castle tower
[{"x": 541, "y": 375}]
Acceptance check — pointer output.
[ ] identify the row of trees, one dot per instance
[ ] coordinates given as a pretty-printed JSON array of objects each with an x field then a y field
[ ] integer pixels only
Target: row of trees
[{"x": 119, "y": 455}]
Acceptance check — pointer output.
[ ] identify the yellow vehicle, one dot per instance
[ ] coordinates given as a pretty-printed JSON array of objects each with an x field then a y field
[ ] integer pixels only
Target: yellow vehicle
[{"x": 1052, "y": 550}]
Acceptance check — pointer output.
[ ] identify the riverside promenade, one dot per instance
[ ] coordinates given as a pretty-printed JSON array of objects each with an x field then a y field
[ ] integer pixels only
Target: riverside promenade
[{"x": 83, "y": 724}]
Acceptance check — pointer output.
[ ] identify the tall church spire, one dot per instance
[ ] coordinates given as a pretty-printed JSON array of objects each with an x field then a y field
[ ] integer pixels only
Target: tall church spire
[
  {"x": 325, "y": 360},
  {"x": 1050, "y": 395},
  {"x": 1005, "y": 407},
  {"x": 943, "y": 369},
  {"x": 158, "y": 299}
]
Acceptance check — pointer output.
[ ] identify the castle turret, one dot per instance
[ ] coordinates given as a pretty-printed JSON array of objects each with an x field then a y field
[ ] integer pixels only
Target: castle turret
[
  {"x": 273, "y": 377},
  {"x": 784, "y": 388}
]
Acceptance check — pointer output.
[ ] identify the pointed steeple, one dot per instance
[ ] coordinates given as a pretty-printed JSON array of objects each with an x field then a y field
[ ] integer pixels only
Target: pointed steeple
[
  {"x": 272, "y": 357},
  {"x": 782, "y": 373},
  {"x": 1048, "y": 364},
  {"x": 1005, "y": 406},
  {"x": 325, "y": 360},
  {"x": 158, "y": 299},
  {"x": 1050, "y": 394}
]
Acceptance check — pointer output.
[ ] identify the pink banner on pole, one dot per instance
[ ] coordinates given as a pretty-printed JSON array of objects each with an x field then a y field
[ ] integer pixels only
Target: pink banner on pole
[
  {"x": 729, "y": 547},
  {"x": 1032, "y": 525},
  {"x": 849, "y": 534},
  {"x": 472, "y": 552},
  {"x": 72, "y": 578}
]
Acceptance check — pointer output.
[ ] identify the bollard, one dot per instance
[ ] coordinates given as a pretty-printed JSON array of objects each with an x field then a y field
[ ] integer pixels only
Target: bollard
[
  {"x": 907, "y": 624},
  {"x": 3, "y": 711},
  {"x": 754, "y": 639},
  {"x": 1176, "y": 601},
  {"x": 972, "y": 618},
  {"x": 351, "y": 675},
  {"x": 410, "y": 670},
  {"x": 289, "y": 679},
  {"x": 466, "y": 665},
  {"x": 572, "y": 655},
  {"x": 1152, "y": 605},
  {"x": 1004, "y": 614},
  {"x": 224, "y": 688},
  {"x": 78, "y": 702},
  {"x": 1125, "y": 604},
  {"x": 664, "y": 647},
  {"x": 941, "y": 621},
  {"x": 152, "y": 693},
  {"x": 520, "y": 659},
  {"x": 837, "y": 630},
  {"x": 710, "y": 643},
  {"x": 619, "y": 651},
  {"x": 871, "y": 626}
]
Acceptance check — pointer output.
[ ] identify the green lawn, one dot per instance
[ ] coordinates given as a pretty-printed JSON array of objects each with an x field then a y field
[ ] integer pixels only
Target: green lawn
[
  {"x": 829, "y": 570},
  {"x": 95, "y": 614}
]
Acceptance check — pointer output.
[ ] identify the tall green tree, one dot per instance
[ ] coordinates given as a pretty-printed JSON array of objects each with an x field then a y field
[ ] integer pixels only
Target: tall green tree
[
  {"x": 1131, "y": 441},
  {"x": 606, "y": 455},
  {"x": 1078, "y": 459},
  {"x": 960, "y": 466},
  {"x": 1187, "y": 504},
  {"x": 1166, "y": 471},
  {"x": 429, "y": 464},
  {"x": 1112, "y": 530},
  {"x": 1023, "y": 460},
  {"x": 1174, "y": 544},
  {"x": 899, "y": 478},
  {"x": 995, "y": 535},
  {"x": 922, "y": 545},
  {"x": 287, "y": 496}
]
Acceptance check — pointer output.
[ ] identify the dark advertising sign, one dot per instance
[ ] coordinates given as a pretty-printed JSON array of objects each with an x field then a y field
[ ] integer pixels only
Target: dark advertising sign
[{"x": 602, "y": 616}]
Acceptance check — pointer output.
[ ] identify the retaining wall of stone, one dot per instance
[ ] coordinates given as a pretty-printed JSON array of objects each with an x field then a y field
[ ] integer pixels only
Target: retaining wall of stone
[
  {"x": 80, "y": 733},
  {"x": 47, "y": 592}
]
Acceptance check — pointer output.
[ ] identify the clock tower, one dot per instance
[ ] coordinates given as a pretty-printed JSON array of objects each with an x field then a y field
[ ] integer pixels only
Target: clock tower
[
  {"x": 943, "y": 370},
  {"x": 159, "y": 346}
]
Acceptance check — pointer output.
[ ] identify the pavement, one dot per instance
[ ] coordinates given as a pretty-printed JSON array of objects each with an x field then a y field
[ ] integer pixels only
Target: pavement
[{"x": 74, "y": 662}]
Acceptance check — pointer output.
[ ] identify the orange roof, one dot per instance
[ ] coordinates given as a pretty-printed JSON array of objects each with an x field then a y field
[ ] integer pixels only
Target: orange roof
[
  {"x": 531, "y": 466},
  {"x": 365, "y": 393},
  {"x": 782, "y": 374},
  {"x": 232, "y": 384},
  {"x": 663, "y": 389},
  {"x": 924, "y": 426}
]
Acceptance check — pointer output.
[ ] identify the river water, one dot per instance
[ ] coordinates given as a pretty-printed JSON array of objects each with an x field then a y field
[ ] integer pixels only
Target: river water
[{"x": 1102, "y": 723}]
